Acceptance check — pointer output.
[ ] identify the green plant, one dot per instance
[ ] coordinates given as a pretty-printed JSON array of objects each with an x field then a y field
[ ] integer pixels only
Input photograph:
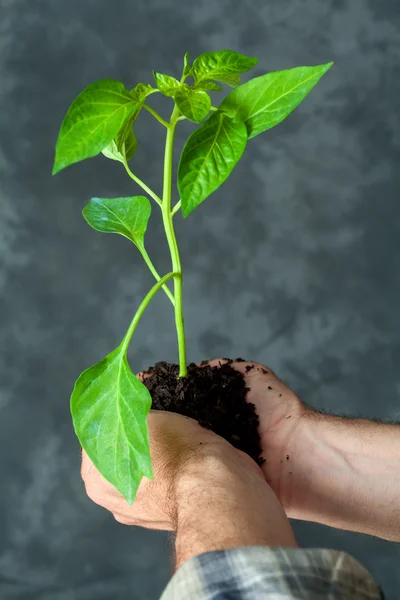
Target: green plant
[{"x": 109, "y": 405}]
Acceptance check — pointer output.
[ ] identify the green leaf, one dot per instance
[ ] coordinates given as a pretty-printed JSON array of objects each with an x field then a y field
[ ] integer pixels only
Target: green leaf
[
  {"x": 126, "y": 141},
  {"x": 209, "y": 86},
  {"x": 141, "y": 91},
  {"x": 265, "y": 101},
  {"x": 130, "y": 144},
  {"x": 186, "y": 65},
  {"x": 124, "y": 146},
  {"x": 208, "y": 158},
  {"x": 93, "y": 121},
  {"x": 223, "y": 65},
  {"x": 126, "y": 216},
  {"x": 109, "y": 408},
  {"x": 111, "y": 151},
  {"x": 193, "y": 104},
  {"x": 166, "y": 84}
]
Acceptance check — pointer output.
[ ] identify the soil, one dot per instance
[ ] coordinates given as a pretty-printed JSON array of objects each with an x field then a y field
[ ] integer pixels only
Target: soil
[{"x": 214, "y": 396}]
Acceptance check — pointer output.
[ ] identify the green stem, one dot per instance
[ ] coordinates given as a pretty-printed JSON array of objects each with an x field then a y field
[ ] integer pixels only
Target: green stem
[
  {"x": 155, "y": 273},
  {"x": 172, "y": 243},
  {"x": 142, "y": 308},
  {"x": 142, "y": 184},
  {"x": 155, "y": 115},
  {"x": 176, "y": 208}
]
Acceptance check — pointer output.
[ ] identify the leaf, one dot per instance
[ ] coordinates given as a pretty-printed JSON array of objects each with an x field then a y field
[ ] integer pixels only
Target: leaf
[
  {"x": 166, "y": 84},
  {"x": 186, "y": 65},
  {"x": 124, "y": 146},
  {"x": 141, "y": 91},
  {"x": 93, "y": 121},
  {"x": 126, "y": 141},
  {"x": 265, "y": 101},
  {"x": 109, "y": 408},
  {"x": 223, "y": 65},
  {"x": 130, "y": 144},
  {"x": 208, "y": 158},
  {"x": 208, "y": 85},
  {"x": 126, "y": 216},
  {"x": 111, "y": 151},
  {"x": 193, "y": 104}
]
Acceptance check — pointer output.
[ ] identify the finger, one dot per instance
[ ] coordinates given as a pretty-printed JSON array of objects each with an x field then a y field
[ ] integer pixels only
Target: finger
[
  {"x": 244, "y": 367},
  {"x": 215, "y": 362},
  {"x": 251, "y": 368},
  {"x": 142, "y": 375}
]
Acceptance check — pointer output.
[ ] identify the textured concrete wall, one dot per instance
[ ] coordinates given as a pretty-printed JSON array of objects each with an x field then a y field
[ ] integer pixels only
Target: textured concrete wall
[{"x": 294, "y": 262}]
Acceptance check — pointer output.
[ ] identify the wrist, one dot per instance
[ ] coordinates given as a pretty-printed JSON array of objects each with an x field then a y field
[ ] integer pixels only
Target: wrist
[
  {"x": 224, "y": 502},
  {"x": 316, "y": 478},
  {"x": 297, "y": 457},
  {"x": 342, "y": 474},
  {"x": 334, "y": 472}
]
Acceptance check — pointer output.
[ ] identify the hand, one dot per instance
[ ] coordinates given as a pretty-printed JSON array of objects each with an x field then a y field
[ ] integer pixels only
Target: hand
[
  {"x": 280, "y": 412},
  {"x": 178, "y": 444},
  {"x": 214, "y": 496},
  {"x": 326, "y": 469}
]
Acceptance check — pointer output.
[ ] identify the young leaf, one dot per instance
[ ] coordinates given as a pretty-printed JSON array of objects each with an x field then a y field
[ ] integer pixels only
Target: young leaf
[
  {"x": 166, "y": 84},
  {"x": 193, "y": 104},
  {"x": 223, "y": 65},
  {"x": 126, "y": 141},
  {"x": 109, "y": 408},
  {"x": 208, "y": 158},
  {"x": 209, "y": 86},
  {"x": 126, "y": 216},
  {"x": 111, "y": 151},
  {"x": 141, "y": 91},
  {"x": 265, "y": 101},
  {"x": 186, "y": 65},
  {"x": 129, "y": 144},
  {"x": 124, "y": 146},
  {"x": 93, "y": 121}
]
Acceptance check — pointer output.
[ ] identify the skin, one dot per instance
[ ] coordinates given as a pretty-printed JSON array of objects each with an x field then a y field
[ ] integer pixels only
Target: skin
[
  {"x": 341, "y": 472},
  {"x": 201, "y": 484},
  {"x": 336, "y": 471}
]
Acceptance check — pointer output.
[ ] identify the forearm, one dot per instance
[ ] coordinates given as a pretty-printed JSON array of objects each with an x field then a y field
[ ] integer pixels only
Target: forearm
[
  {"x": 217, "y": 510},
  {"x": 345, "y": 473}
]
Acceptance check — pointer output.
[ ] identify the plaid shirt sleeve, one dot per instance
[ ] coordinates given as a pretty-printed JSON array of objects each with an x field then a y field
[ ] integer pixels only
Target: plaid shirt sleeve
[{"x": 258, "y": 573}]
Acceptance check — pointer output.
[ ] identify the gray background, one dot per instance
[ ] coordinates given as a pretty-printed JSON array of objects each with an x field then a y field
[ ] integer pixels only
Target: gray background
[{"x": 294, "y": 262}]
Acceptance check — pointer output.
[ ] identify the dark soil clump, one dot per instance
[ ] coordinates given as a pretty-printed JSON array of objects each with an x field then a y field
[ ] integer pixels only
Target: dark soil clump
[{"x": 214, "y": 396}]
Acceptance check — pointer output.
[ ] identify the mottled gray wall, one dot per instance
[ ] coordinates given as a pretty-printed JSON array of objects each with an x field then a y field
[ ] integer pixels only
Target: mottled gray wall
[{"x": 294, "y": 262}]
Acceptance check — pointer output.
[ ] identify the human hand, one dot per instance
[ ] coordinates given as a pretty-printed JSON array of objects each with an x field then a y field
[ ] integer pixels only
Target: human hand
[
  {"x": 178, "y": 445},
  {"x": 280, "y": 412},
  {"x": 324, "y": 468},
  {"x": 214, "y": 496}
]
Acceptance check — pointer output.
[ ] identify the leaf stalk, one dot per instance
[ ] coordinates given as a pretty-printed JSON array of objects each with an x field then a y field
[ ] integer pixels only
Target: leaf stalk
[
  {"x": 142, "y": 184},
  {"x": 139, "y": 313},
  {"x": 155, "y": 115},
  {"x": 155, "y": 273}
]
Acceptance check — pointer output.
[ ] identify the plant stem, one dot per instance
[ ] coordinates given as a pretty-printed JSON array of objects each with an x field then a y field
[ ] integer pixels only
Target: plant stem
[
  {"x": 176, "y": 208},
  {"x": 142, "y": 184},
  {"x": 142, "y": 308},
  {"x": 155, "y": 115},
  {"x": 155, "y": 273},
  {"x": 172, "y": 243}
]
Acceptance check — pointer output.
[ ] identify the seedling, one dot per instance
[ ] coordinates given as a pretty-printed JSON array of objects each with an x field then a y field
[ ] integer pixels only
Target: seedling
[{"x": 109, "y": 405}]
